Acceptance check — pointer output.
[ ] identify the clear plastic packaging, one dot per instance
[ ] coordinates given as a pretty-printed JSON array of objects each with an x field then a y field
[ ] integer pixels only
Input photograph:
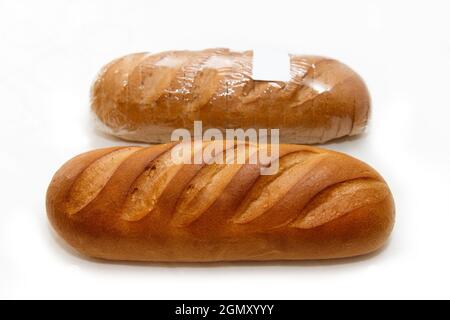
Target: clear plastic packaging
[{"x": 145, "y": 97}]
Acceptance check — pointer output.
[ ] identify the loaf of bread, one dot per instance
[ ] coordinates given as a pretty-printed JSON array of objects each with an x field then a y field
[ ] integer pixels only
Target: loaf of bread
[
  {"x": 138, "y": 204},
  {"x": 144, "y": 97}
]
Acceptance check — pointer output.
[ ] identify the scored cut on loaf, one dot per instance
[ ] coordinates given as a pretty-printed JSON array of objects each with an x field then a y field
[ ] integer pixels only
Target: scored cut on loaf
[
  {"x": 138, "y": 204},
  {"x": 144, "y": 97}
]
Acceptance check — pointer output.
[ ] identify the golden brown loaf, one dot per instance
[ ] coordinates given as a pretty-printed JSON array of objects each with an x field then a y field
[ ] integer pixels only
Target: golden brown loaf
[
  {"x": 132, "y": 203},
  {"x": 144, "y": 97}
]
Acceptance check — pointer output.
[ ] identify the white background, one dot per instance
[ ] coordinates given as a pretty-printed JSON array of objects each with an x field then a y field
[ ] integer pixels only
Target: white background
[{"x": 50, "y": 52}]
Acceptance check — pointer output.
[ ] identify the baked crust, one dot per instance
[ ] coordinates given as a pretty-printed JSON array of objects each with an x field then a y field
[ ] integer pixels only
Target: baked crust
[{"x": 132, "y": 203}]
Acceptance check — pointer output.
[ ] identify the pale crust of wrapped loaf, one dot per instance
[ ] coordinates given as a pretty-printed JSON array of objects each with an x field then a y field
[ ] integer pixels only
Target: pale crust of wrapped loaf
[
  {"x": 133, "y": 203},
  {"x": 144, "y": 97}
]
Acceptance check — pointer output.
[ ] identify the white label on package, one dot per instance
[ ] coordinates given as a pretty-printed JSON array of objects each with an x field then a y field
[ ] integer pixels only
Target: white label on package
[{"x": 271, "y": 65}]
